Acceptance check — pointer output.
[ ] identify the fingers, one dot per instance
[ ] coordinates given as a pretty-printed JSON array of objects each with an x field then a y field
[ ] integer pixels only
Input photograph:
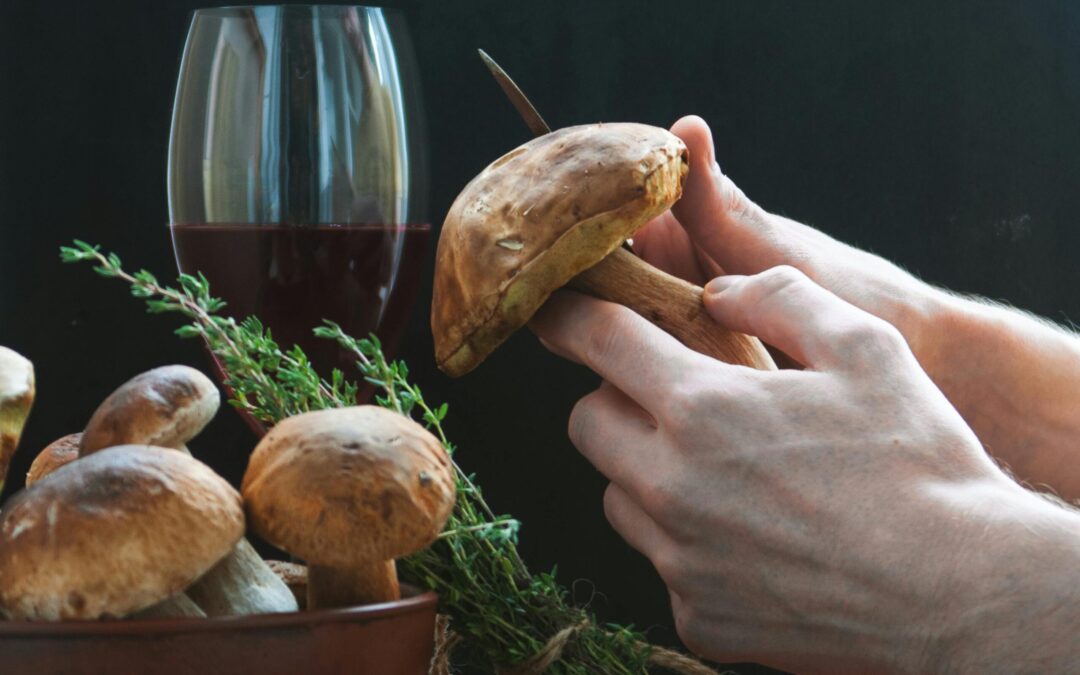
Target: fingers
[
  {"x": 632, "y": 523},
  {"x": 719, "y": 218},
  {"x": 784, "y": 308},
  {"x": 664, "y": 244},
  {"x": 622, "y": 347},
  {"x": 616, "y": 436}
]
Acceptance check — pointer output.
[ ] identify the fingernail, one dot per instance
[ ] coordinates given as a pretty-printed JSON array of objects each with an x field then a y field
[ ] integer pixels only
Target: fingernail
[{"x": 720, "y": 284}]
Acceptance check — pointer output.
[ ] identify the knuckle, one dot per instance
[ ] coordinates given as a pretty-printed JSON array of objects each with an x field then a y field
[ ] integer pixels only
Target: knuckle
[
  {"x": 738, "y": 205},
  {"x": 781, "y": 278},
  {"x": 688, "y": 627},
  {"x": 868, "y": 340},
  {"x": 777, "y": 285},
  {"x": 580, "y": 425},
  {"x": 606, "y": 337},
  {"x": 663, "y": 501},
  {"x": 684, "y": 405},
  {"x": 611, "y": 508},
  {"x": 678, "y": 413},
  {"x": 666, "y": 563}
]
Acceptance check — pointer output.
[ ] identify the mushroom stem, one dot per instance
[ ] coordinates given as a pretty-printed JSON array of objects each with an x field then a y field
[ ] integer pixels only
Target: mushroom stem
[
  {"x": 358, "y": 585},
  {"x": 16, "y": 398},
  {"x": 672, "y": 304},
  {"x": 293, "y": 575},
  {"x": 242, "y": 583},
  {"x": 179, "y": 605}
]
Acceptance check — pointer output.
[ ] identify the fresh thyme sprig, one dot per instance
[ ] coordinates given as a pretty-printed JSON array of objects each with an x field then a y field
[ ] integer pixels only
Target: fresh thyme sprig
[{"x": 504, "y": 614}]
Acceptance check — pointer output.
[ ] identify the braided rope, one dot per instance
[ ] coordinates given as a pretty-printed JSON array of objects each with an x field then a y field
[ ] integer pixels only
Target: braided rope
[{"x": 552, "y": 651}]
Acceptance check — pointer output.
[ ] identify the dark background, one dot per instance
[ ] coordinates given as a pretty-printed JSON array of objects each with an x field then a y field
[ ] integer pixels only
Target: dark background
[{"x": 944, "y": 136}]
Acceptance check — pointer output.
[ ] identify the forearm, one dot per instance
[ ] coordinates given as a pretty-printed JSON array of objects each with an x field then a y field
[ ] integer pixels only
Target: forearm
[
  {"x": 1014, "y": 378},
  {"x": 1016, "y": 381},
  {"x": 1015, "y": 606}
]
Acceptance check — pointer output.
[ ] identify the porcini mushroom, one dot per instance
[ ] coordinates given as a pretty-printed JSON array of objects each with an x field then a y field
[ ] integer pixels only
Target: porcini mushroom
[
  {"x": 114, "y": 533},
  {"x": 55, "y": 455},
  {"x": 16, "y": 399},
  {"x": 65, "y": 450},
  {"x": 167, "y": 407},
  {"x": 556, "y": 211},
  {"x": 349, "y": 490}
]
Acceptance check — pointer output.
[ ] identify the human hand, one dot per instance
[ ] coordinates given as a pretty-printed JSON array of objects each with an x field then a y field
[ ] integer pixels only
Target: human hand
[
  {"x": 716, "y": 228},
  {"x": 840, "y": 518},
  {"x": 1014, "y": 379}
]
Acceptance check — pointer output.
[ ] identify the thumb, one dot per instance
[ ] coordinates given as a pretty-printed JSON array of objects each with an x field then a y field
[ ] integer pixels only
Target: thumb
[
  {"x": 787, "y": 310},
  {"x": 720, "y": 219}
]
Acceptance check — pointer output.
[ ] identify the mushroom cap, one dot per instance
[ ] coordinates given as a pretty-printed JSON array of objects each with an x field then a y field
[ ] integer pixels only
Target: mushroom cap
[
  {"x": 114, "y": 533},
  {"x": 349, "y": 485},
  {"x": 534, "y": 219},
  {"x": 166, "y": 407},
  {"x": 16, "y": 399},
  {"x": 55, "y": 455}
]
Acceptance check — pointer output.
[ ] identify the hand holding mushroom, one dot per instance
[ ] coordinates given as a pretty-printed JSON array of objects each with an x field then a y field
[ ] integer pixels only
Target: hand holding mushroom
[{"x": 556, "y": 211}]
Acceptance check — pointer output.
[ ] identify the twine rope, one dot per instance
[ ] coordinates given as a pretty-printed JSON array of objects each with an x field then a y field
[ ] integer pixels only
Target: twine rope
[
  {"x": 445, "y": 641},
  {"x": 668, "y": 659}
]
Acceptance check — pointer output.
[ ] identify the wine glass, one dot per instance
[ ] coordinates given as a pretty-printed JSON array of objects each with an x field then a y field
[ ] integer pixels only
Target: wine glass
[{"x": 296, "y": 172}]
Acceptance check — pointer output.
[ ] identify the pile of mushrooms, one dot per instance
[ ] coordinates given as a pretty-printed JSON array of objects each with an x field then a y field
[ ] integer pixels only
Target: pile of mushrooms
[{"x": 120, "y": 520}]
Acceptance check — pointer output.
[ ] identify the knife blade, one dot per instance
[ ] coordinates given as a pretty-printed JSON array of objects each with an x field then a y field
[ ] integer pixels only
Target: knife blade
[{"x": 525, "y": 108}]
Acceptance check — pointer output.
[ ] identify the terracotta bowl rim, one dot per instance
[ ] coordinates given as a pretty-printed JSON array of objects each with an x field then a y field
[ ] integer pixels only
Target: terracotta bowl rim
[{"x": 413, "y": 600}]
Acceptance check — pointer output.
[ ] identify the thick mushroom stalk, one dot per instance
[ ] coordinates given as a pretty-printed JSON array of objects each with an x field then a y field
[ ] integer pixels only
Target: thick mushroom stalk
[
  {"x": 167, "y": 407},
  {"x": 16, "y": 399},
  {"x": 556, "y": 211},
  {"x": 114, "y": 534},
  {"x": 349, "y": 490},
  {"x": 295, "y": 576}
]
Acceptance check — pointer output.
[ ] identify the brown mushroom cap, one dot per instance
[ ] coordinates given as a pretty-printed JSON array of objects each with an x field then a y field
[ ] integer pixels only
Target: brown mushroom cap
[
  {"x": 534, "y": 219},
  {"x": 16, "y": 398},
  {"x": 114, "y": 533},
  {"x": 55, "y": 455},
  {"x": 348, "y": 485},
  {"x": 166, "y": 407}
]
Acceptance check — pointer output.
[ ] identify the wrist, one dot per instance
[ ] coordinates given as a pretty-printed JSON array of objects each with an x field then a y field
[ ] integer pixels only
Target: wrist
[
  {"x": 1011, "y": 601},
  {"x": 918, "y": 310}
]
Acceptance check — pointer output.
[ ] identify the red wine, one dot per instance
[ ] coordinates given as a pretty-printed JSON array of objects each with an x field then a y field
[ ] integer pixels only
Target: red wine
[{"x": 364, "y": 277}]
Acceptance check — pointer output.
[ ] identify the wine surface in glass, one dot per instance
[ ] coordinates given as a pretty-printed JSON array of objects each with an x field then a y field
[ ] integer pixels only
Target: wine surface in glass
[{"x": 363, "y": 276}]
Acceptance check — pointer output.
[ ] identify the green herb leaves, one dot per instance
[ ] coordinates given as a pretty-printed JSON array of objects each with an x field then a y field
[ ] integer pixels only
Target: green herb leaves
[{"x": 504, "y": 614}]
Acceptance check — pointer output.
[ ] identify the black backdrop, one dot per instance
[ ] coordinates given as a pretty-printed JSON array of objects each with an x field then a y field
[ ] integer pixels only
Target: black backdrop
[{"x": 944, "y": 136}]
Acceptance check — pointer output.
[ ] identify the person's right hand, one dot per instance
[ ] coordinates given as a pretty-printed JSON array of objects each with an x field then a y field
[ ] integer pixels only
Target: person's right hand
[
  {"x": 1014, "y": 379},
  {"x": 716, "y": 228}
]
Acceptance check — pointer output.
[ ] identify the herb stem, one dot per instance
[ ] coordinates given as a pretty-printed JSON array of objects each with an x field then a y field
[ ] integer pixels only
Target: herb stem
[{"x": 504, "y": 614}]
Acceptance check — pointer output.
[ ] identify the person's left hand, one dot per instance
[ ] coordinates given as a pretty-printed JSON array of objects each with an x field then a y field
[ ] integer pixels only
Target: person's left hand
[{"x": 815, "y": 519}]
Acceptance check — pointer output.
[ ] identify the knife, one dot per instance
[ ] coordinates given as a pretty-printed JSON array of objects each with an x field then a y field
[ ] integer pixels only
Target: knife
[{"x": 525, "y": 108}]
